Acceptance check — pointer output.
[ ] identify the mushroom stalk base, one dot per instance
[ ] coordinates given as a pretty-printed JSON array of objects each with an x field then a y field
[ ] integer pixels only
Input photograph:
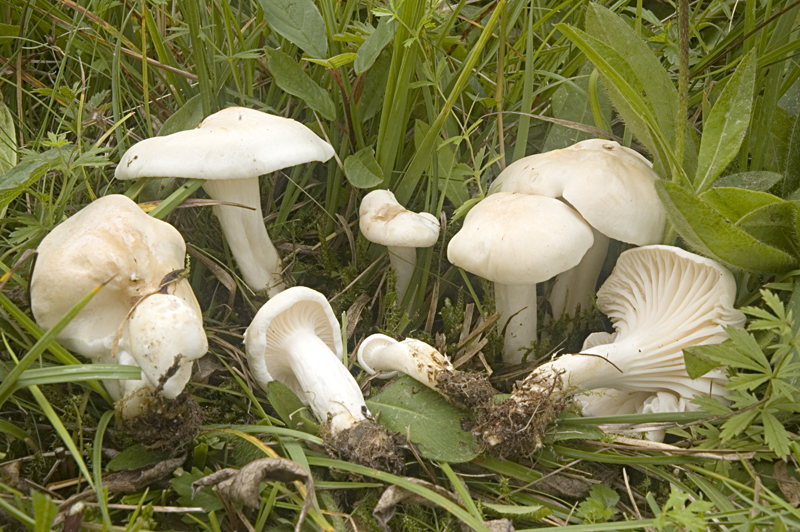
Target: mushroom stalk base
[
  {"x": 246, "y": 233},
  {"x": 403, "y": 261},
  {"x": 575, "y": 287},
  {"x": 517, "y": 305}
]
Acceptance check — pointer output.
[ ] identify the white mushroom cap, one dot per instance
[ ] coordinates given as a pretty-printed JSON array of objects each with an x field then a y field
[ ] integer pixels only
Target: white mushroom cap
[
  {"x": 111, "y": 240},
  {"x": 661, "y": 299},
  {"x": 235, "y": 143},
  {"x": 610, "y": 185},
  {"x": 297, "y": 308},
  {"x": 166, "y": 337},
  {"x": 369, "y": 350},
  {"x": 384, "y": 221},
  {"x": 516, "y": 239}
]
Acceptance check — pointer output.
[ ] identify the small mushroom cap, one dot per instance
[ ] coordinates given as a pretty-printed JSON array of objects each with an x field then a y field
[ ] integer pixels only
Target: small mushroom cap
[
  {"x": 370, "y": 347},
  {"x": 610, "y": 185},
  {"x": 111, "y": 240},
  {"x": 517, "y": 239},
  {"x": 166, "y": 337},
  {"x": 293, "y": 309},
  {"x": 235, "y": 143},
  {"x": 384, "y": 221}
]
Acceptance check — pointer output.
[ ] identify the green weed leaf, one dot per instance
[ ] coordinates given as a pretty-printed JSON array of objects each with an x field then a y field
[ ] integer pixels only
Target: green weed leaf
[
  {"x": 8, "y": 139},
  {"x": 713, "y": 235},
  {"x": 362, "y": 169},
  {"x": 300, "y": 22},
  {"x": 188, "y": 116},
  {"x": 725, "y": 127},
  {"x": 373, "y": 45},
  {"x": 599, "y": 506},
  {"x": 759, "y": 181},
  {"x": 434, "y": 424},
  {"x": 293, "y": 79},
  {"x": 733, "y": 203}
]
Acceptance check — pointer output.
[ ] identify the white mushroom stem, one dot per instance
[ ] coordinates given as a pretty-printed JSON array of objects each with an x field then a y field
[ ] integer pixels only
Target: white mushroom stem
[
  {"x": 517, "y": 306},
  {"x": 575, "y": 287},
  {"x": 404, "y": 261},
  {"x": 246, "y": 233},
  {"x": 416, "y": 359},
  {"x": 325, "y": 381}
]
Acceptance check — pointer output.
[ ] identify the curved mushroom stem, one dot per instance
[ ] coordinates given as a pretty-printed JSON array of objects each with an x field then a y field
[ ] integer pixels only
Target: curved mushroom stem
[
  {"x": 414, "y": 358},
  {"x": 517, "y": 305},
  {"x": 246, "y": 233},
  {"x": 403, "y": 260},
  {"x": 575, "y": 287}
]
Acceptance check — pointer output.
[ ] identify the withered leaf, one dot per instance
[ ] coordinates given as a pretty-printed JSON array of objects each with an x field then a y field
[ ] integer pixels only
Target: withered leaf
[
  {"x": 242, "y": 485},
  {"x": 394, "y": 495},
  {"x": 136, "y": 479},
  {"x": 789, "y": 486}
]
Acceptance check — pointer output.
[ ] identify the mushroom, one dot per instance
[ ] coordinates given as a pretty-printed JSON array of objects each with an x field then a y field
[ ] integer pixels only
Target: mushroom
[
  {"x": 516, "y": 241},
  {"x": 611, "y": 186},
  {"x": 661, "y": 300},
  {"x": 229, "y": 150},
  {"x": 145, "y": 310},
  {"x": 296, "y": 339},
  {"x": 382, "y": 357},
  {"x": 384, "y": 221}
]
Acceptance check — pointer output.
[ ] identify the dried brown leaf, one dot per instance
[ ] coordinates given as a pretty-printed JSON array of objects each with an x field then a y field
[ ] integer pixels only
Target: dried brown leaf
[{"x": 789, "y": 486}]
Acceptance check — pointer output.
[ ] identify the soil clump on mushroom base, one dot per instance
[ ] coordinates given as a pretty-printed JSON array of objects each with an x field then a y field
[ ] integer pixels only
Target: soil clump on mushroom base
[
  {"x": 365, "y": 443},
  {"x": 517, "y": 426},
  {"x": 465, "y": 389},
  {"x": 163, "y": 422}
]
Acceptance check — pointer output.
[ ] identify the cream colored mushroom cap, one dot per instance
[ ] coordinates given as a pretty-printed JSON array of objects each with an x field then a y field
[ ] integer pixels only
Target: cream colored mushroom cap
[
  {"x": 235, "y": 143},
  {"x": 111, "y": 240},
  {"x": 295, "y": 308},
  {"x": 517, "y": 239},
  {"x": 384, "y": 221},
  {"x": 610, "y": 185}
]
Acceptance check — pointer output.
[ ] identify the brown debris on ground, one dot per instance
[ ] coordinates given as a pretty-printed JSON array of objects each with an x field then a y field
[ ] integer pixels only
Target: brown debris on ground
[
  {"x": 365, "y": 443},
  {"x": 465, "y": 389}
]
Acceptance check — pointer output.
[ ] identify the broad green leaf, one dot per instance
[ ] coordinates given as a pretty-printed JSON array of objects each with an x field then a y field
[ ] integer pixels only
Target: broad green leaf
[
  {"x": 773, "y": 225},
  {"x": 292, "y": 79},
  {"x": 733, "y": 203},
  {"x": 713, "y": 235},
  {"x": 775, "y": 435},
  {"x": 698, "y": 361},
  {"x": 725, "y": 127},
  {"x": 747, "y": 345},
  {"x": 44, "y": 509},
  {"x": 289, "y": 408},
  {"x": 373, "y": 45},
  {"x": 205, "y": 498},
  {"x": 434, "y": 424},
  {"x": 650, "y": 77},
  {"x": 736, "y": 424},
  {"x": 300, "y": 22},
  {"x": 8, "y": 139},
  {"x": 29, "y": 170},
  {"x": 758, "y": 181},
  {"x": 8, "y": 33},
  {"x": 136, "y": 456},
  {"x": 188, "y": 116},
  {"x": 375, "y": 87},
  {"x": 362, "y": 170}
]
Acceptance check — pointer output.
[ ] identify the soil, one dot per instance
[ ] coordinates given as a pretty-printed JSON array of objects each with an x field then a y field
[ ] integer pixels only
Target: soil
[
  {"x": 165, "y": 422},
  {"x": 365, "y": 443},
  {"x": 466, "y": 389}
]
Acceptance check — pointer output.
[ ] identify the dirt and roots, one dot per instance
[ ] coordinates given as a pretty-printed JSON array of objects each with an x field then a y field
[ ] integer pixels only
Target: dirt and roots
[
  {"x": 164, "y": 423},
  {"x": 465, "y": 389},
  {"x": 365, "y": 443}
]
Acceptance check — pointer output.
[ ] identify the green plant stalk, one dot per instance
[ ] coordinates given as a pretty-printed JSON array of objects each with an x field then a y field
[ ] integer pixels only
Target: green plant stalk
[
  {"x": 97, "y": 467},
  {"x": 524, "y": 124},
  {"x": 412, "y": 175},
  {"x": 683, "y": 86}
]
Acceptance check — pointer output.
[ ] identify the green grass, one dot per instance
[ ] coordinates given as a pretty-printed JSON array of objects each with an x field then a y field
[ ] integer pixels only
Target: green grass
[{"x": 437, "y": 99}]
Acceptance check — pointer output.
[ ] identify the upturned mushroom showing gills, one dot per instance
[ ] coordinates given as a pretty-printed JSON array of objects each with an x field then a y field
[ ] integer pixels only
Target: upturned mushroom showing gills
[
  {"x": 295, "y": 339},
  {"x": 383, "y": 357},
  {"x": 517, "y": 241},
  {"x": 383, "y": 220},
  {"x": 230, "y": 149},
  {"x": 146, "y": 314},
  {"x": 611, "y": 186},
  {"x": 661, "y": 300}
]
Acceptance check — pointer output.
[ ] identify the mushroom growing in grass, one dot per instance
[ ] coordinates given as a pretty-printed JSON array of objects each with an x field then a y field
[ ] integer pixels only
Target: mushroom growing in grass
[
  {"x": 384, "y": 221},
  {"x": 229, "y": 150},
  {"x": 146, "y": 315},
  {"x": 296, "y": 339},
  {"x": 383, "y": 357},
  {"x": 517, "y": 241},
  {"x": 611, "y": 186},
  {"x": 661, "y": 300}
]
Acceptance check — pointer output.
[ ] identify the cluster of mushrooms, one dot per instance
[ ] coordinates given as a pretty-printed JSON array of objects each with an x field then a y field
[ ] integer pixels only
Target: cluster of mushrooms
[{"x": 547, "y": 215}]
